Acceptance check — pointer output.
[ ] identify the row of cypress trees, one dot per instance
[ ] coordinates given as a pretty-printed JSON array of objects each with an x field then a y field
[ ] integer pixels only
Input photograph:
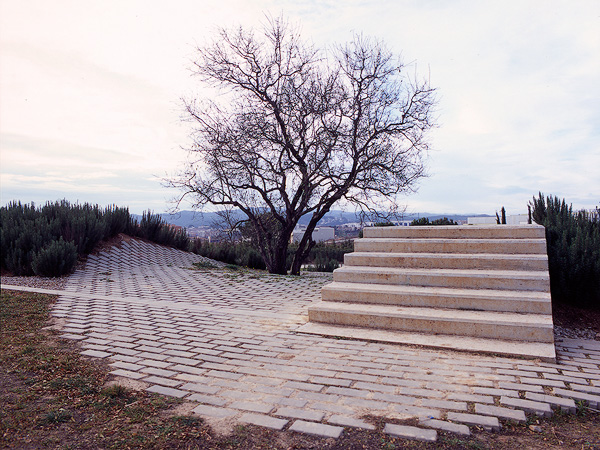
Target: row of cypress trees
[{"x": 48, "y": 240}]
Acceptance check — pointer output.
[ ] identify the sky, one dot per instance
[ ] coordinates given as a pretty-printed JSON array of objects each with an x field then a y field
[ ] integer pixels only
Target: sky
[{"x": 90, "y": 94}]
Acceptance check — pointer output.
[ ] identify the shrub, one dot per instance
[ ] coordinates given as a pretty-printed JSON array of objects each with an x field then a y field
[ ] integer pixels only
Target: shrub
[
  {"x": 573, "y": 242},
  {"x": 56, "y": 259},
  {"x": 153, "y": 228},
  {"x": 323, "y": 264}
]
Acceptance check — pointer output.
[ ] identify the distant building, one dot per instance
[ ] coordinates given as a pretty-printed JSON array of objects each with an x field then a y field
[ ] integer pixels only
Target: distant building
[
  {"x": 517, "y": 219},
  {"x": 319, "y": 234}
]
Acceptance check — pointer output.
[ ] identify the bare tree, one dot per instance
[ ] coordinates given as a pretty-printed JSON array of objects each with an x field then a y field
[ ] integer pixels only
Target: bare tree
[{"x": 297, "y": 129}]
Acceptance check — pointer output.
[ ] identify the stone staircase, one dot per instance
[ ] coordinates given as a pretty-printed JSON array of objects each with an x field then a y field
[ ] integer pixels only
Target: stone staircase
[{"x": 477, "y": 288}]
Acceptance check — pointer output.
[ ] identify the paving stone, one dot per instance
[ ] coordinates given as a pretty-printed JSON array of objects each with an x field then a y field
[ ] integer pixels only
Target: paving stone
[
  {"x": 470, "y": 397},
  {"x": 317, "y": 429},
  {"x": 585, "y": 388},
  {"x": 214, "y": 411},
  {"x": 331, "y": 381},
  {"x": 294, "y": 402},
  {"x": 444, "y": 404},
  {"x": 592, "y": 400},
  {"x": 588, "y": 375},
  {"x": 159, "y": 372},
  {"x": 374, "y": 387},
  {"x": 543, "y": 382},
  {"x": 227, "y": 375},
  {"x": 264, "y": 421},
  {"x": 304, "y": 386},
  {"x": 126, "y": 366},
  {"x": 252, "y": 406},
  {"x": 407, "y": 432},
  {"x": 127, "y": 374},
  {"x": 566, "y": 404},
  {"x": 403, "y": 399},
  {"x": 503, "y": 413},
  {"x": 199, "y": 387},
  {"x": 417, "y": 411},
  {"x": 95, "y": 353},
  {"x": 297, "y": 413},
  {"x": 446, "y": 426},
  {"x": 538, "y": 408},
  {"x": 521, "y": 387},
  {"x": 167, "y": 391},
  {"x": 331, "y": 407},
  {"x": 350, "y": 392},
  {"x": 486, "y": 422},
  {"x": 162, "y": 381},
  {"x": 208, "y": 399},
  {"x": 346, "y": 421}
]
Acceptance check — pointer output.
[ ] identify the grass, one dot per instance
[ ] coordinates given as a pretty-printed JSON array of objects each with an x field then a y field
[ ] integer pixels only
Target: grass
[{"x": 51, "y": 396}]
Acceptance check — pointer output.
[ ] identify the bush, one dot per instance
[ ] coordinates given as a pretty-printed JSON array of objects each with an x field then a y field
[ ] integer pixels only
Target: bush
[
  {"x": 153, "y": 228},
  {"x": 56, "y": 259},
  {"x": 323, "y": 264},
  {"x": 573, "y": 242}
]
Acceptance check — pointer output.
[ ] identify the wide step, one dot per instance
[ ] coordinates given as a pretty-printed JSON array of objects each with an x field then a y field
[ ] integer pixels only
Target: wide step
[
  {"x": 460, "y": 232},
  {"x": 483, "y": 324},
  {"x": 440, "y": 297},
  {"x": 479, "y": 261},
  {"x": 499, "y": 246},
  {"x": 541, "y": 350},
  {"x": 455, "y": 278}
]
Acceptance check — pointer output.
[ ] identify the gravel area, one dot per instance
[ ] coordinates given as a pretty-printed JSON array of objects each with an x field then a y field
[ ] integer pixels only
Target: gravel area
[
  {"x": 576, "y": 333},
  {"x": 37, "y": 282}
]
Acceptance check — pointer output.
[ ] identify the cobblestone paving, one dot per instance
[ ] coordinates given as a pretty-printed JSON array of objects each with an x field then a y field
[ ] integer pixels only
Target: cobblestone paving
[{"x": 226, "y": 340}]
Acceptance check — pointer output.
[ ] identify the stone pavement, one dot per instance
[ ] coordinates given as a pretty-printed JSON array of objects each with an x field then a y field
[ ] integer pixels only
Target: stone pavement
[{"x": 226, "y": 340}]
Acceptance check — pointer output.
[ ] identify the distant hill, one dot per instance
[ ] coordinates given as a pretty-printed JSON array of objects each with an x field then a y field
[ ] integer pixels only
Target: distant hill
[{"x": 197, "y": 219}]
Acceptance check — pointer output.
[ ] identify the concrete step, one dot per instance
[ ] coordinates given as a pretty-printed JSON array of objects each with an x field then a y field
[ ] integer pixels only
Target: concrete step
[
  {"x": 487, "y": 324},
  {"x": 439, "y": 297},
  {"x": 452, "y": 278},
  {"x": 459, "y": 232},
  {"x": 438, "y": 245},
  {"x": 543, "y": 351},
  {"x": 448, "y": 260}
]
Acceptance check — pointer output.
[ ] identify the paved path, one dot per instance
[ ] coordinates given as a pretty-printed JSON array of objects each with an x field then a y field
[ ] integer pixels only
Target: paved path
[{"x": 226, "y": 340}]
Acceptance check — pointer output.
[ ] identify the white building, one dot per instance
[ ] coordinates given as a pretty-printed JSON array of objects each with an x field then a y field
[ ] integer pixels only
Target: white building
[{"x": 319, "y": 234}]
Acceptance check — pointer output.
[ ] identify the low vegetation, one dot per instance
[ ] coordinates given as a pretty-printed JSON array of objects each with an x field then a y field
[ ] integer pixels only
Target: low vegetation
[{"x": 323, "y": 257}]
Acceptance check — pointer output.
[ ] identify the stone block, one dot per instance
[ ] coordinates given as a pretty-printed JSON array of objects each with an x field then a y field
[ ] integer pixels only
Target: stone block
[
  {"x": 407, "y": 432},
  {"x": 317, "y": 429}
]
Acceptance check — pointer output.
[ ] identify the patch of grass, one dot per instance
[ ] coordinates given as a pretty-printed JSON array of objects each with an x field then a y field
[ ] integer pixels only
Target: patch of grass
[
  {"x": 204, "y": 265},
  {"x": 59, "y": 416},
  {"x": 115, "y": 391}
]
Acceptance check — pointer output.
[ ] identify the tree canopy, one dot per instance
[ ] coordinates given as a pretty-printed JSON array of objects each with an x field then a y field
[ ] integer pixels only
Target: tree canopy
[{"x": 296, "y": 129}]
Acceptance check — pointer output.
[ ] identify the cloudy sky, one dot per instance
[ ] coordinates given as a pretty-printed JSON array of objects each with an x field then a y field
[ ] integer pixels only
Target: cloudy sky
[{"x": 90, "y": 93}]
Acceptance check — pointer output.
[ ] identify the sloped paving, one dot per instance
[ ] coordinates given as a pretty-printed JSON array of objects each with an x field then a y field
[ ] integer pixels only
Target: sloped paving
[{"x": 227, "y": 341}]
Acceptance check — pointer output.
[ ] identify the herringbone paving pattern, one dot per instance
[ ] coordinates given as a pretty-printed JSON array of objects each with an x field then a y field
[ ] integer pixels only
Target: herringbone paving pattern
[{"x": 226, "y": 340}]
